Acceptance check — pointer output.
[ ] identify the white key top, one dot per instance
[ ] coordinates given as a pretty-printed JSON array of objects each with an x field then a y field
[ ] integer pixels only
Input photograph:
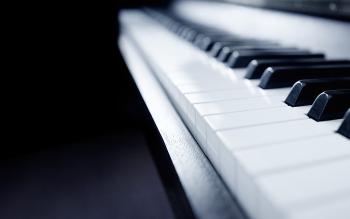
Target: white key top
[
  {"x": 194, "y": 69},
  {"x": 276, "y": 132},
  {"x": 222, "y": 143},
  {"x": 339, "y": 209},
  {"x": 206, "y": 97},
  {"x": 191, "y": 99},
  {"x": 184, "y": 79},
  {"x": 283, "y": 191},
  {"x": 255, "y": 162},
  {"x": 240, "y": 120},
  {"x": 205, "y": 87},
  {"x": 238, "y": 105},
  {"x": 191, "y": 73},
  {"x": 221, "y": 107},
  {"x": 253, "y": 117},
  {"x": 280, "y": 156}
]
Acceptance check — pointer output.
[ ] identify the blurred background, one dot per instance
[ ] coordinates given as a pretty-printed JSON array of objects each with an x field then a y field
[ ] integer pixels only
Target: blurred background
[{"x": 78, "y": 137}]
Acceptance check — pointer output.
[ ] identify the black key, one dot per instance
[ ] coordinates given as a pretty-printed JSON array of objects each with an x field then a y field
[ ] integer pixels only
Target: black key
[
  {"x": 305, "y": 91},
  {"x": 278, "y": 77},
  {"x": 257, "y": 67},
  {"x": 227, "y": 51},
  {"x": 188, "y": 32},
  {"x": 240, "y": 60},
  {"x": 224, "y": 54},
  {"x": 331, "y": 104},
  {"x": 247, "y": 44},
  {"x": 174, "y": 26},
  {"x": 344, "y": 128},
  {"x": 217, "y": 47},
  {"x": 183, "y": 31},
  {"x": 207, "y": 43},
  {"x": 179, "y": 30},
  {"x": 189, "y": 35},
  {"x": 202, "y": 40}
]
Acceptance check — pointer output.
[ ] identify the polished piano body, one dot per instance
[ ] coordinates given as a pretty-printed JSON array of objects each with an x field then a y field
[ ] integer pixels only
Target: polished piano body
[{"x": 278, "y": 159}]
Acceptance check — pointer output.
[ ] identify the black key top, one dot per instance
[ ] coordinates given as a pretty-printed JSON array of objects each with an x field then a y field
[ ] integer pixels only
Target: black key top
[
  {"x": 331, "y": 104},
  {"x": 344, "y": 128},
  {"x": 207, "y": 43},
  {"x": 224, "y": 54},
  {"x": 278, "y": 77},
  {"x": 240, "y": 60},
  {"x": 180, "y": 29},
  {"x": 227, "y": 51},
  {"x": 174, "y": 26},
  {"x": 305, "y": 91},
  {"x": 257, "y": 67},
  {"x": 219, "y": 46},
  {"x": 189, "y": 35},
  {"x": 204, "y": 41}
]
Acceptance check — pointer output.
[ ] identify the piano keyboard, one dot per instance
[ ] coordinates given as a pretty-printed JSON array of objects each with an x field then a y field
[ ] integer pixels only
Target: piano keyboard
[{"x": 274, "y": 120}]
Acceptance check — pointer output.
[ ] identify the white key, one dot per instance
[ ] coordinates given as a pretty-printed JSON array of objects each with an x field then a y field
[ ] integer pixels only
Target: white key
[
  {"x": 184, "y": 79},
  {"x": 276, "y": 132},
  {"x": 222, "y": 143},
  {"x": 207, "y": 97},
  {"x": 239, "y": 120},
  {"x": 205, "y": 87},
  {"x": 194, "y": 70},
  {"x": 203, "y": 97},
  {"x": 227, "y": 106},
  {"x": 339, "y": 209},
  {"x": 280, "y": 156},
  {"x": 295, "y": 188},
  {"x": 253, "y": 117},
  {"x": 257, "y": 161},
  {"x": 221, "y": 107}
]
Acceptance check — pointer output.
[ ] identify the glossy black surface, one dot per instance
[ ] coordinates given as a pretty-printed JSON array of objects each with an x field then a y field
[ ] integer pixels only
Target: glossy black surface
[
  {"x": 227, "y": 50},
  {"x": 305, "y": 91},
  {"x": 257, "y": 67},
  {"x": 278, "y": 77},
  {"x": 207, "y": 42},
  {"x": 218, "y": 47},
  {"x": 344, "y": 128},
  {"x": 330, "y": 105},
  {"x": 240, "y": 60}
]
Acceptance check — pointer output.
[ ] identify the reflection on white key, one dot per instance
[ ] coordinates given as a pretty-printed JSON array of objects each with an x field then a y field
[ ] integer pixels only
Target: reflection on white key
[
  {"x": 205, "y": 87},
  {"x": 290, "y": 189},
  {"x": 206, "y": 97}
]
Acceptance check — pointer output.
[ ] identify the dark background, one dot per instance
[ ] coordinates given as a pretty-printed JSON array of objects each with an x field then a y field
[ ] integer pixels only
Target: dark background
[
  {"x": 77, "y": 139},
  {"x": 69, "y": 80}
]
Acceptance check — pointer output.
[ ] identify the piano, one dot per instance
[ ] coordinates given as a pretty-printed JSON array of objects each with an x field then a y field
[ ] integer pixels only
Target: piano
[{"x": 252, "y": 104}]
